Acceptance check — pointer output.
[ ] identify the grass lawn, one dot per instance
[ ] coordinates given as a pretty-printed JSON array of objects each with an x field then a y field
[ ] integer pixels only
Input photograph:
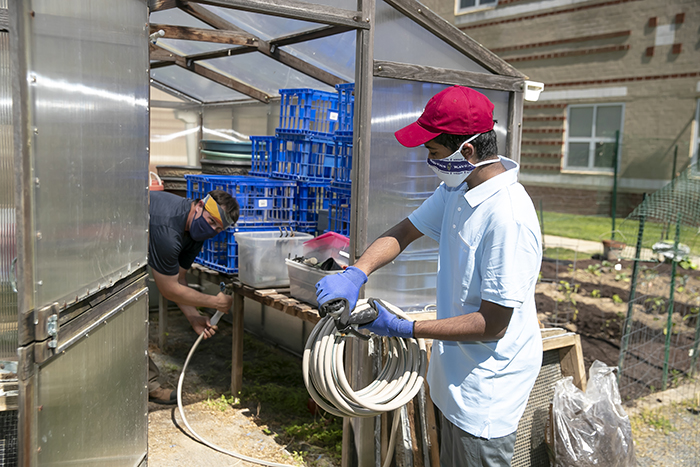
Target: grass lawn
[{"x": 597, "y": 228}]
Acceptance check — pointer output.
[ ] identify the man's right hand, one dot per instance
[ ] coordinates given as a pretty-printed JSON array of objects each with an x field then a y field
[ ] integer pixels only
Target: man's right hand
[
  {"x": 224, "y": 302},
  {"x": 345, "y": 285}
]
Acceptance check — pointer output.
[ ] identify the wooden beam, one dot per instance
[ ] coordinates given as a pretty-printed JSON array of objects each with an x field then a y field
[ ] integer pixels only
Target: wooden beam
[
  {"x": 445, "y": 76},
  {"x": 222, "y": 53},
  {"x": 293, "y": 9},
  {"x": 208, "y": 17},
  {"x": 313, "y": 34},
  {"x": 205, "y": 35},
  {"x": 217, "y": 77},
  {"x": 226, "y": 80},
  {"x": 159, "y": 53},
  {"x": 159, "y": 5},
  {"x": 453, "y": 36},
  {"x": 237, "y": 345},
  {"x": 269, "y": 49},
  {"x": 300, "y": 65}
]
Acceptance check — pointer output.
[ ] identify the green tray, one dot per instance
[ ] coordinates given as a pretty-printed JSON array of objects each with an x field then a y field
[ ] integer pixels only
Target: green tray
[{"x": 222, "y": 156}]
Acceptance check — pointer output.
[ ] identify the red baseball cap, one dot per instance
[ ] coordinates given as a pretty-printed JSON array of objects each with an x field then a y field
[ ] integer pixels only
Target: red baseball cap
[{"x": 457, "y": 111}]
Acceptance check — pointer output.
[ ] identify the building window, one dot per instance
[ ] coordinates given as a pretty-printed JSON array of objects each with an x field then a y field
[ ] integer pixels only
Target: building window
[
  {"x": 591, "y": 132},
  {"x": 464, "y": 6}
]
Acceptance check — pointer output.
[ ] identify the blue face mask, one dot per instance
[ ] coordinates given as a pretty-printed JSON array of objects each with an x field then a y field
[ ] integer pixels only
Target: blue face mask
[
  {"x": 454, "y": 169},
  {"x": 200, "y": 229}
]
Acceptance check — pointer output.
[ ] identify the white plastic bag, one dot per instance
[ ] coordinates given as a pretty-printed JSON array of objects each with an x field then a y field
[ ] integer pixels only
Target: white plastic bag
[{"x": 591, "y": 428}]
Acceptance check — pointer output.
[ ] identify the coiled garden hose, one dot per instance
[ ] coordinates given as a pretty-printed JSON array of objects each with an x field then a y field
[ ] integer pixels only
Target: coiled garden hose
[{"x": 398, "y": 381}]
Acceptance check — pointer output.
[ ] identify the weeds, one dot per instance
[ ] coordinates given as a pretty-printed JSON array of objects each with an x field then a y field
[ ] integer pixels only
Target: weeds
[
  {"x": 274, "y": 384},
  {"x": 654, "y": 420},
  {"x": 655, "y": 304},
  {"x": 569, "y": 290}
]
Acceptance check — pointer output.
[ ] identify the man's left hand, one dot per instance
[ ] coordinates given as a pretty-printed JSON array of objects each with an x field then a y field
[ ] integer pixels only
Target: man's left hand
[
  {"x": 387, "y": 323},
  {"x": 201, "y": 326}
]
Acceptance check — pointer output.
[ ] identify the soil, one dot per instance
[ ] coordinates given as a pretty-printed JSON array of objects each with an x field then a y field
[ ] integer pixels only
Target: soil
[{"x": 590, "y": 297}]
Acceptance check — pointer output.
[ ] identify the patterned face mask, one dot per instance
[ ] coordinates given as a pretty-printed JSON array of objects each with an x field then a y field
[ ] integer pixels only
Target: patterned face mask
[{"x": 454, "y": 169}]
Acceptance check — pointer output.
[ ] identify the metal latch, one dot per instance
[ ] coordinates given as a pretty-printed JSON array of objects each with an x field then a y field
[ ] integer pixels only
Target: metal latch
[
  {"x": 46, "y": 325},
  {"x": 52, "y": 330}
]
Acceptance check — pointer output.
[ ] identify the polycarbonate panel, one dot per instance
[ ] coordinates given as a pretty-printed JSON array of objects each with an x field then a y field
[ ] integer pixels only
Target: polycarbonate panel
[
  {"x": 8, "y": 295},
  {"x": 194, "y": 85},
  {"x": 398, "y": 39},
  {"x": 88, "y": 107},
  {"x": 246, "y": 68},
  {"x": 93, "y": 396},
  {"x": 263, "y": 26},
  {"x": 400, "y": 180}
]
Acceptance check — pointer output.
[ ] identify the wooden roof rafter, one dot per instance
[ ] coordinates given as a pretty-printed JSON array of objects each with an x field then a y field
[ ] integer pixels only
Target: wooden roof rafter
[
  {"x": 209, "y": 73},
  {"x": 226, "y": 32},
  {"x": 205, "y": 35}
]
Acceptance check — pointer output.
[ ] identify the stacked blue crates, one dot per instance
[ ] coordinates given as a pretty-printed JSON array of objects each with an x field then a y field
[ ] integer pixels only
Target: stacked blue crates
[
  {"x": 265, "y": 205},
  {"x": 339, "y": 191},
  {"x": 313, "y": 148}
]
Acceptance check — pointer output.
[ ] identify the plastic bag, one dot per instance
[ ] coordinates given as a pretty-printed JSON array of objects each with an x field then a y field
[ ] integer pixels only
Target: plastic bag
[{"x": 591, "y": 428}]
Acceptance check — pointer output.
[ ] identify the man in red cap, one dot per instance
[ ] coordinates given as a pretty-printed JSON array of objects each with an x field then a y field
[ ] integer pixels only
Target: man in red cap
[{"x": 487, "y": 349}]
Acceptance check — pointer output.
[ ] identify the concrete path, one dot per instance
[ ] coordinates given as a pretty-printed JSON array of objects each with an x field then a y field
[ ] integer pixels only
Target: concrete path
[{"x": 583, "y": 246}]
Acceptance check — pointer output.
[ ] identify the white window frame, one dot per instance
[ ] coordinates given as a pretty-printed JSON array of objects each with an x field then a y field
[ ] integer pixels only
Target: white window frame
[
  {"x": 592, "y": 140},
  {"x": 477, "y": 7},
  {"x": 695, "y": 141}
]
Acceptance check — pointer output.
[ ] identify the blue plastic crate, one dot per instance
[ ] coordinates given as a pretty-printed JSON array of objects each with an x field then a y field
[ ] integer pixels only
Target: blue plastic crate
[
  {"x": 308, "y": 157},
  {"x": 343, "y": 158},
  {"x": 308, "y": 110},
  {"x": 339, "y": 208},
  {"x": 221, "y": 252},
  {"x": 263, "y": 202},
  {"x": 346, "y": 107},
  {"x": 311, "y": 197},
  {"x": 264, "y": 155},
  {"x": 307, "y": 227}
]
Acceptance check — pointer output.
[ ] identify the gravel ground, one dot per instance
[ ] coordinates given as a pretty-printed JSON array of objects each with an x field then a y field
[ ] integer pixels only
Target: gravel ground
[{"x": 666, "y": 428}]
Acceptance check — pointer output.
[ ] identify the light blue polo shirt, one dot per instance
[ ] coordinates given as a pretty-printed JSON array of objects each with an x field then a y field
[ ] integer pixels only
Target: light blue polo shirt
[{"x": 490, "y": 249}]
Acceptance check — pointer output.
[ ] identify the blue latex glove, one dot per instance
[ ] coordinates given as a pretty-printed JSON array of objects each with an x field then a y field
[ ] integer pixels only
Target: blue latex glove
[
  {"x": 387, "y": 323},
  {"x": 343, "y": 286}
]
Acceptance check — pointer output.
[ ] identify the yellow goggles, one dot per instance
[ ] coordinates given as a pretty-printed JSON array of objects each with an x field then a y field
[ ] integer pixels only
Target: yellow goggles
[{"x": 217, "y": 212}]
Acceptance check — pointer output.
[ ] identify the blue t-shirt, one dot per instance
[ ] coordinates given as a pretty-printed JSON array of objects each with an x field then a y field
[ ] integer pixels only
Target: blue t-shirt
[
  {"x": 490, "y": 249},
  {"x": 170, "y": 247}
]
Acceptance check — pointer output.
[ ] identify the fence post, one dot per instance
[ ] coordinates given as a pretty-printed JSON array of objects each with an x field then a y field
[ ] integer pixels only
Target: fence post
[
  {"x": 633, "y": 291},
  {"x": 694, "y": 358},
  {"x": 542, "y": 225},
  {"x": 673, "y": 183},
  {"x": 669, "y": 321},
  {"x": 614, "y": 192}
]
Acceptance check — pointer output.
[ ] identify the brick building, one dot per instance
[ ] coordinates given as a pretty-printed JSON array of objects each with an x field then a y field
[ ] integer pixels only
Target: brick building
[{"x": 627, "y": 67}]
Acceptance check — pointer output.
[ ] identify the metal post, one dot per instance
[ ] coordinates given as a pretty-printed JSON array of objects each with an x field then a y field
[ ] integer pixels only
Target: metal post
[
  {"x": 614, "y": 192},
  {"x": 673, "y": 182},
  {"x": 633, "y": 291},
  {"x": 694, "y": 358},
  {"x": 542, "y": 225},
  {"x": 669, "y": 321}
]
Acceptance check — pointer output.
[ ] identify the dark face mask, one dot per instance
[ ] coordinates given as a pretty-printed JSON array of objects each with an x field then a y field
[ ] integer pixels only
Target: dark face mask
[{"x": 200, "y": 229}]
